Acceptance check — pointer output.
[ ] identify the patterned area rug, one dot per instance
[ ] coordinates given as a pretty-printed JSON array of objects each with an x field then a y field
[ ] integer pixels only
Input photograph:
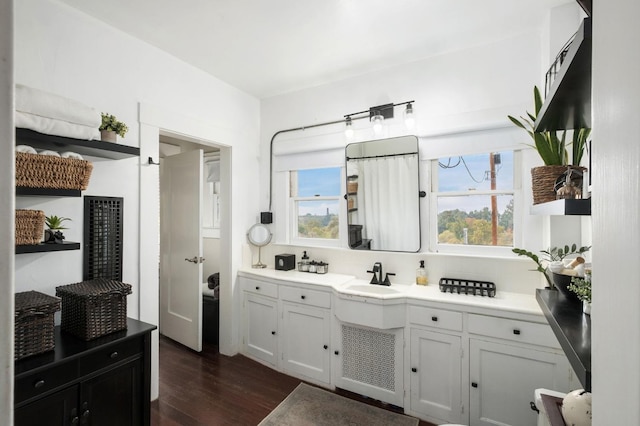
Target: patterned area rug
[{"x": 308, "y": 405}]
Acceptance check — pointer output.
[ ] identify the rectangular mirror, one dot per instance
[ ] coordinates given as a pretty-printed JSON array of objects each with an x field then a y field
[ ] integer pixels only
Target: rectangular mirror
[{"x": 383, "y": 194}]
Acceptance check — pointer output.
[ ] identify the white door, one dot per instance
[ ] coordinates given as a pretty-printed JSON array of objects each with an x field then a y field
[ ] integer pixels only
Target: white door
[{"x": 181, "y": 248}]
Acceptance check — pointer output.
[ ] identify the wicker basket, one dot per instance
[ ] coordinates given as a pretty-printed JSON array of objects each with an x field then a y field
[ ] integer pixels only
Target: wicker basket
[
  {"x": 50, "y": 172},
  {"x": 93, "y": 308},
  {"x": 34, "y": 323},
  {"x": 543, "y": 181},
  {"x": 29, "y": 227}
]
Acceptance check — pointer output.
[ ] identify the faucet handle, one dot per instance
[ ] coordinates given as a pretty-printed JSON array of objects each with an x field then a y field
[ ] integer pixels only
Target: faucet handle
[
  {"x": 374, "y": 279},
  {"x": 386, "y": 278}
]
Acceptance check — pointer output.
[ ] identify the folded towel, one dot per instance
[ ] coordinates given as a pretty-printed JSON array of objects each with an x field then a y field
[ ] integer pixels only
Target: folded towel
[
  {"x": 49, "y": 105},
  {"x": 352, "y": 168},
  {"x": 69, "y": 154},
  {"x": 52, "y": 126},
  {"x": 26, "y": 149},
  {"x": 49, "y": 152}
]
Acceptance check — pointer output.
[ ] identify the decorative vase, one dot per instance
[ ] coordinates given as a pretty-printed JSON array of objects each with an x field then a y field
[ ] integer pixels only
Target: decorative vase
[
  {"x": 586, "y": 307},
  {"x": 108, "y": 136}
]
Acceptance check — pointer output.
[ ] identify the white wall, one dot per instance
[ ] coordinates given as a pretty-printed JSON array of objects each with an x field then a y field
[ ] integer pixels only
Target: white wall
[
  {"x": 7, "y": 185},
  {"x": 63, "y": 51},
  {"x": 615, "y": 317}
]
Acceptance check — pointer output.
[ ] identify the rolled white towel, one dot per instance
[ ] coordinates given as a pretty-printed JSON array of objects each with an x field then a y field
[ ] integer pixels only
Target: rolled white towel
[
  {"x": 49, "y": 152},
  {"x": 26, "y": 149},
  {"x": 69, "y": 154},
  {"x": 51, "y": 105},
  {"x": 352, "y": 168}
]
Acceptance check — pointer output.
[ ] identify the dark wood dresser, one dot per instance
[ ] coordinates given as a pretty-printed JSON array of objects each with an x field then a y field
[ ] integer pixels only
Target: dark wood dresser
[{"x": 106, "y": 381}]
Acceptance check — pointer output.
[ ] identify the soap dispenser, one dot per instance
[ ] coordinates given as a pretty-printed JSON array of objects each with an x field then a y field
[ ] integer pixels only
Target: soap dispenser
[
  {"x": 303, "y": 265},
  {"x": 421, "y": 274}
]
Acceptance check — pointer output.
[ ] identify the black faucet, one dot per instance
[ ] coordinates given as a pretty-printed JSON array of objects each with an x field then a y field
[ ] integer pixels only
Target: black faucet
[{"x": 377, "y": 275}]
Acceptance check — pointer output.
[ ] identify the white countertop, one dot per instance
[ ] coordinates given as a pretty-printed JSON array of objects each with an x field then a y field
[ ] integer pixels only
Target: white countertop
[{"x": 340, "y": 283}]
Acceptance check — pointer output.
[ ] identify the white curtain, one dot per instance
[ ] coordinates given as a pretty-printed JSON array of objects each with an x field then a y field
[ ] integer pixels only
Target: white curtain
[{"x": 388, "y": 202}]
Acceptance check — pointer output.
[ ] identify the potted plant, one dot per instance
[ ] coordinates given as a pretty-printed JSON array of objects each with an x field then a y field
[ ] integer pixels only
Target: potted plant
[
  {"x": 551, "y": 261},
  {"x": 582, "y": 288},
  {"x": 111, "y": 127},
  {"x": 552, "y": 149},
  {"x": 53, "y": 235}
]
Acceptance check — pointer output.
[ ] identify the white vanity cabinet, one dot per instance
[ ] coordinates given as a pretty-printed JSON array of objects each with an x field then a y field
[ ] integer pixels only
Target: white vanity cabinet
[
  {"x": 435, "y": 363},
  {"x": 260, "y": 320},
  {"x": 306, "y": 333},
  {"x": 508, "y": 360}
]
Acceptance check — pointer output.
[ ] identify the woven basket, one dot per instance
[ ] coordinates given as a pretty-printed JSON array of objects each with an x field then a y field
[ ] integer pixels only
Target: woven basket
[
  {"x": 47, "y": 171},
  {"x": 543, "y": 180},
  {"x": 93, "y": 308},
  {"x": 34, "y": 323},
  {"x": 29, "y": 227}
]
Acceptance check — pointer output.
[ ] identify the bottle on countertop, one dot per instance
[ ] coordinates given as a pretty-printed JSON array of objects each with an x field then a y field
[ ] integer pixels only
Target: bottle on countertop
[
  {"x": 421, "y": 274},
  {"x": 304, "y": 263}
]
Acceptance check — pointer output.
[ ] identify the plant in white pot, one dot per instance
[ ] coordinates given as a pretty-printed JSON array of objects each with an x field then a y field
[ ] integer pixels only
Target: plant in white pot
[
  {"x": 551, "y": 260},
  {"x": 54, "y": 234},
  {"x": 111, "y": 127},
  {"x": 552, "y": 149}
]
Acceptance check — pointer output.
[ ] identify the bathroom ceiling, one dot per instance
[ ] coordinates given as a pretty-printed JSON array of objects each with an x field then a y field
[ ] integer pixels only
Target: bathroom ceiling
[{"x": 269, "y": 47}]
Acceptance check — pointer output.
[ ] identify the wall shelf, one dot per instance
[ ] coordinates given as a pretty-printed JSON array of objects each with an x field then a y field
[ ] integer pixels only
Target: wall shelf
[
  {"x": 47, "y": 192},
  {"x": 45, "y": 248},
  {"x": 568, "y": 103},
  {"x": 563, "y": 208},
  {"x": 108, "y": 150},
  {"x": 572, "y": 329}
]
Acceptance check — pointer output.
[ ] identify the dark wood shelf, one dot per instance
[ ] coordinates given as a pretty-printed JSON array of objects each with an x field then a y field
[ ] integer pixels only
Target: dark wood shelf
[
  {"x": 100, "y": 149},
  {"x": 568, "y": 103},
  {"x": 48, "y": 192},
  {"x": 44, "y": 248},
  {"x": 586, "y": 5},
  {"x": 563, "y": 208},
  {"x": 352, "y": 210},
  {"x": 572, "y": 329}
]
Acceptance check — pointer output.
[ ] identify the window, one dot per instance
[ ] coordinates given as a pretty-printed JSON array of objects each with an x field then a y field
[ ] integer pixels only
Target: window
[
  {"x": 473, "y": 199},
  {"x": 315, "y": 204}
]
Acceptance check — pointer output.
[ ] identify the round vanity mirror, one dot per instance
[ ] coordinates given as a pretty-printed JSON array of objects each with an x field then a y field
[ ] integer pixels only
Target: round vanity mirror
[{"x": 259, "y": 235}]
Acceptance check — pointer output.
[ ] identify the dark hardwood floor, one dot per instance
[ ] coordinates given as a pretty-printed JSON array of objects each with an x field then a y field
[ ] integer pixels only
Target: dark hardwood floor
[{"x": 212, "y": 389}]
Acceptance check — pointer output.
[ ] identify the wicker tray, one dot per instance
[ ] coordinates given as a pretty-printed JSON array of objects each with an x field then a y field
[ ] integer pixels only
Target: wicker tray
[
  {"x": 93, "y": 308},
  {"x": 46, "y": 171},
  {"x": 29, "y": 227},
  {"x": 34, "y": 323}
]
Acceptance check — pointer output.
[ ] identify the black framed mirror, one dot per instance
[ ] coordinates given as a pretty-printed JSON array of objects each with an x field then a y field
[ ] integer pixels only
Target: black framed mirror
[{"x": 383, "y": 194}]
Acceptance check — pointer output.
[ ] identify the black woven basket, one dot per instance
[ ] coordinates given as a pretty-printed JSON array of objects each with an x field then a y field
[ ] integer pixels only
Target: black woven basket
[
  {"x": 34, "y": 323},
  {"x": 93, "y": 308}
]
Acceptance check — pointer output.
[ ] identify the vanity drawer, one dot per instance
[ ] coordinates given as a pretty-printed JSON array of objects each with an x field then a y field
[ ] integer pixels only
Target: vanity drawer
[
  {"x": 519, "y": 331},
  {"x": 304, "y": 296},
  {"x": 438, "y": 318},
  {"x": 260, "y": 287},
  {"x": 110, "y": 355},
  {"x": 34, "y": 384}
]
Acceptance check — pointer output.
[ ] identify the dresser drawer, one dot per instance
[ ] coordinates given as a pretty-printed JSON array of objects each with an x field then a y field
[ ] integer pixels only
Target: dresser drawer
[
  {"x": 320, "y": 299},
  {"x": 438, "y": 318},
  {"x": 519, "y": 331},
  {"x": 111, "y": 354},
  {"x": 260, "y": 287},
  {"x": 34, "y": 384}
]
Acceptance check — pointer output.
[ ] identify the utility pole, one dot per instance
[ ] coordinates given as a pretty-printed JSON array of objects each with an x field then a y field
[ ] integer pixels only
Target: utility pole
[{"x": 494, "y": 200}]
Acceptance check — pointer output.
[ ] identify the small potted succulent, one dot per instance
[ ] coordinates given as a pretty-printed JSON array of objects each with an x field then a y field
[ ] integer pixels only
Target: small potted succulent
[
  {"x": 111, "y": 128},
  {"x": 53, "y": 235},
  {"x": 551, "y": 260}
]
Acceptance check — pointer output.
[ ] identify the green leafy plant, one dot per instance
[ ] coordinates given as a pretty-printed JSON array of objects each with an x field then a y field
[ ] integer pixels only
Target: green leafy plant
[
  {"x": 551, "y": 255},
  {"x": 550, "y": 146},
  {"x": 582, "y": 288},
  {"x": 55, "y": 222},
  {"x": 110, "y": 122}
]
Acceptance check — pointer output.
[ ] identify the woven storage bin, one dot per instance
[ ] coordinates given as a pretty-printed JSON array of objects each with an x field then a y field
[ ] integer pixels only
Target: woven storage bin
[
  {"x": 29, "y": 227},
  {"x": 93, "y": 308},
  {"x": 543, "y": 181},
  {"x": 47, "y": 171},
  {"x": 34, "y": 323}
]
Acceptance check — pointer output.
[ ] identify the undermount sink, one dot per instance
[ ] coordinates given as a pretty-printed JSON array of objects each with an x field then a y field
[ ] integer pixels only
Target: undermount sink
[{"x": 371, "y": 288}]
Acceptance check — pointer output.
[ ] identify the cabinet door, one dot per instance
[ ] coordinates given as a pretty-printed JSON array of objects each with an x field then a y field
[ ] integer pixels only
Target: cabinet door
[
  {"x": 114, "y": 397},
  {"x": 503, "y": 379},
  {"x": 260, "y": 328},
  {"x": 57, "y": 409},
  {"x": 436, "y": 365},
  {"x": 306, "y": 335}
]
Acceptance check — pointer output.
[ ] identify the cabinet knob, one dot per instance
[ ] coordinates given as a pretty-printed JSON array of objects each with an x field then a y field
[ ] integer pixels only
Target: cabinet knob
[
  {"x": 38, "y": 384},
  {"x": 273, "y": 332},
  {"x": 257, "y": 287},
  {"x": 113, "y": 355},
  {"x": 303, "y": 297},
  {"x": 474, "y": 385},
  {"x": 326, "y": 347},
  {"x": 415, "y": 370},
  {"x": 516, "y": 331},
  {"x": 434, "y": 318},
  {"x": 336, "y": 352}
]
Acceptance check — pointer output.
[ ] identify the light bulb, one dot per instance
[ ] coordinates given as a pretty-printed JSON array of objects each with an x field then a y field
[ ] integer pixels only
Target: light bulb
[
  {"x": 377, "y": 121},
  {"x": 348, "y": 131},
  {"x": 409, "y": 118}
]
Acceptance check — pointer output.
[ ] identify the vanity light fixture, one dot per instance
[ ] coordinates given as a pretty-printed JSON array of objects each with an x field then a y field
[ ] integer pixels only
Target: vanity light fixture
[
  {"x": 409, "y": 118},
  {"x": 348, "y": 130},
  {"x": 377, "y": 120}
]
